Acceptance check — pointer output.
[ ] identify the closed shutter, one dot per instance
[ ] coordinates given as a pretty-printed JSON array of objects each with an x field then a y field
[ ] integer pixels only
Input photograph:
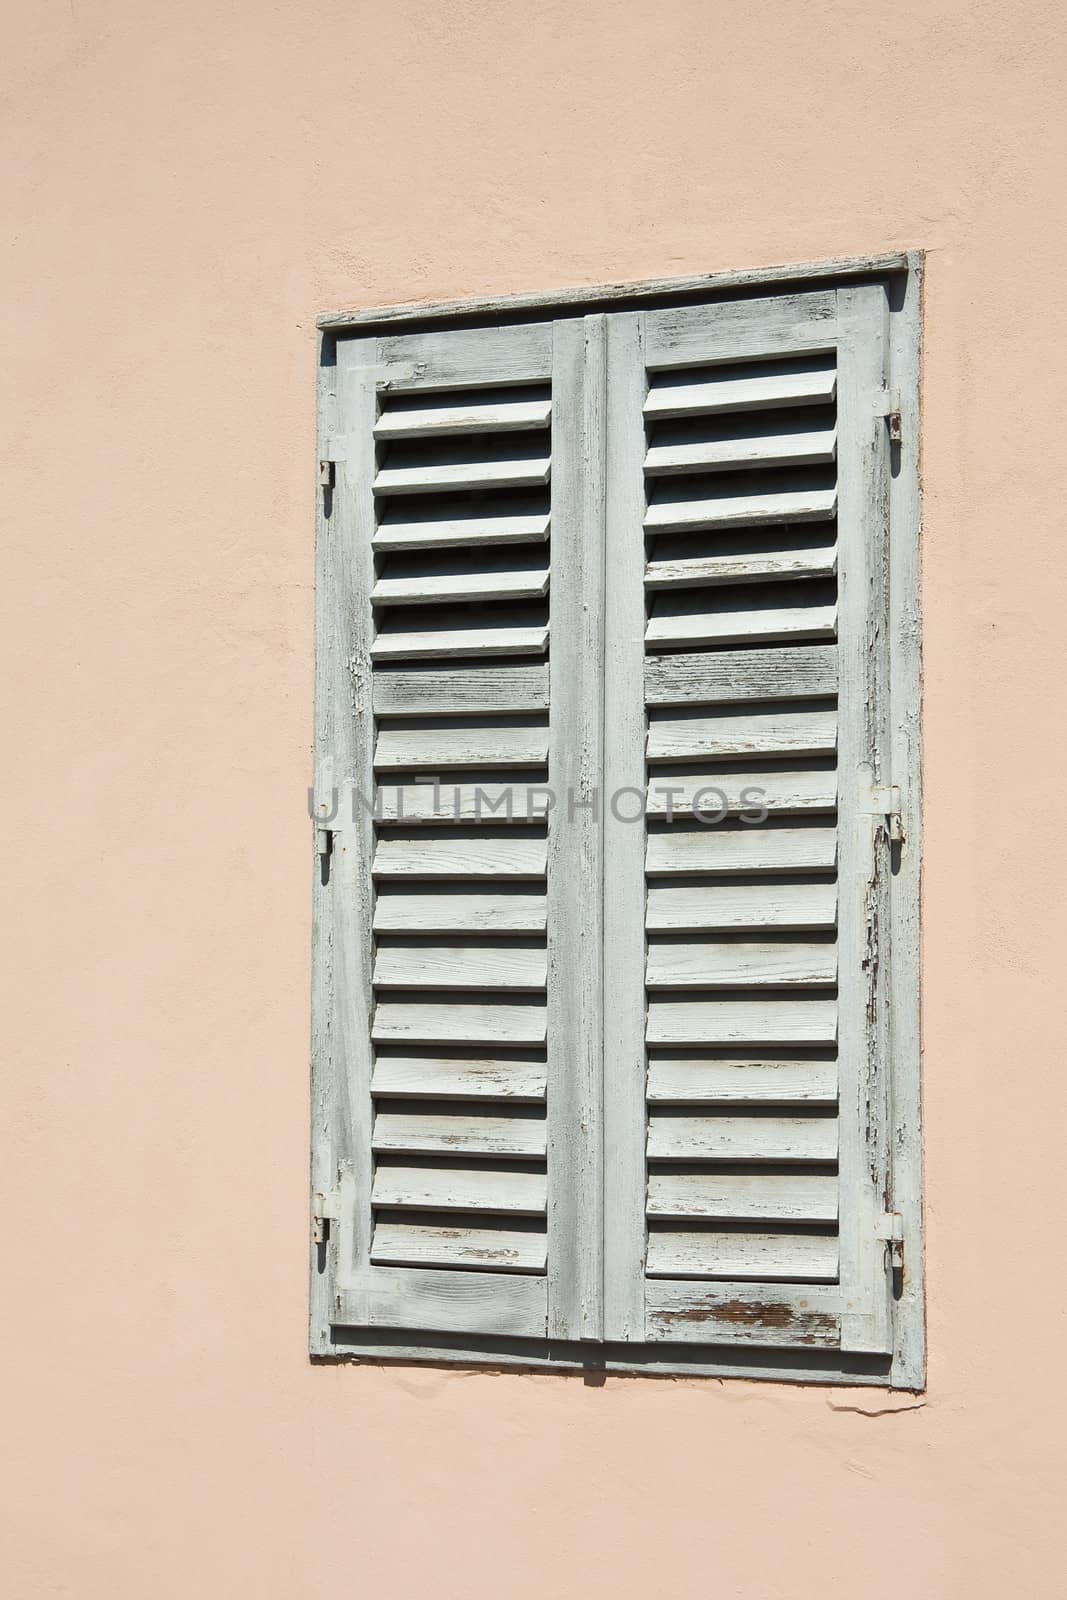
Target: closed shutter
[
  {"x": 615, "y": 943},
  {"x": 464, "y": 908},
  {"x": 745, "y": 1070}
]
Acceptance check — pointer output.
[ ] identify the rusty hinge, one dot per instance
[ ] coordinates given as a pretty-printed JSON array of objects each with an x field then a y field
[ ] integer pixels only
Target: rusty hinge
[
  {"x": 887, "y": 804},
  {"x": 891, "y": 1229},
  {"x": 889, "y": 408},
  {"x": 325, "y": 1208}
]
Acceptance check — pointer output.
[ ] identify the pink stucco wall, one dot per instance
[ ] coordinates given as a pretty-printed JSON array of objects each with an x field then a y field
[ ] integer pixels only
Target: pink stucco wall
[{"x": 188, "y": 187}]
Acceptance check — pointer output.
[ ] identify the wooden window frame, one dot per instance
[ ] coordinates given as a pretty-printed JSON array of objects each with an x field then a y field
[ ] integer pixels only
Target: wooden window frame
[{"x": 901, "y": 275}]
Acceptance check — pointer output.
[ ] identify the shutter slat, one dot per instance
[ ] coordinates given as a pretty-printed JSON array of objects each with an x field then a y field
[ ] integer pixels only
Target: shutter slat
[
  {"x": 406, "y": 1244},
  {"x": 676, "y": 852},
  {"x": 407, "y": 911},
  {"x": 456, "y": 966},
  {"x": 460, "y": 802},
  {"x": 770, "y": 449},
  {"x": 672, "y": 794},
  {"x": 452, "y": 745},
  {"x": 452, "y": 475},
  {"x": 770, "y": 1196},
  {"x": 706, "y": 1254},
  {"x": 731, "y": 676},
  {"x": 727, "y": 965},
  {"x": 519, "y": 583},
  {"x": 755, "y": 733},
  {"x": 501, "y": 1190},
  {"x": 500, "y": 639},
  {"x": 774, "y": 388},
  {"x": 680, "y": 1080},
  {"x": 687, "y": 617},
  {"x": 459, "y": 1135},
  {"x": 740, "y": 510},
  {"x": 471, "y": 857},
  {"x": 813, "y": 561},
  {"x": 446, "y": 533},
  {"x": 741, "y": 1022},
  {"x": 730, "y": 1138},
  {"x": 768, "y": 1315},
  {"x": 519, "y": 1078},
  {"x": 417, "y": 1022},
  {"x": 717, "y": 907},
  {"x": 433, "y": 691},
  {"x": 472, "y": 416}
]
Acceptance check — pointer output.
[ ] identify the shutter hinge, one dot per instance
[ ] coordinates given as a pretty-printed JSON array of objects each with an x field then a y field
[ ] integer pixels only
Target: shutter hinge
[
  {"x": 891, "y": 1229},
  {"x": 334, "y": 449},
  {"x": 889, "y": 408},
  {"x": 323, "y": 834},
  {"x": 325, "y": 1208},
  {"x": 887, "y": 804}
]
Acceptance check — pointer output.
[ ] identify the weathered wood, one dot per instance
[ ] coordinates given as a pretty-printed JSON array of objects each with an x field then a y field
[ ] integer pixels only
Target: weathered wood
[
  {"x": 740, "y": 1022},
  {"x": 410, "y": 1244},
  {"x": 769, "y": 1256},
  {"x": 525, "y": 581},
  {"x": 459, "y": 1134},
  {"x": 518, "y": 1078},
  {"x": 685, "y": 1080},
  {"x": 452, "y": 532},
  {"x": 508, "y": 965},
  {"x": 713, "y": 794},
  {"x": 458, "y": 802},
  {"x": 749, "y": 733},
  {"x": 728, "y": 616},
  {"x": 492, "y": 1304},
  {"x": 477, "y": 855},
  {"x": 501, "y": 638},
  {"x": 449, "y": 1022},
  {"x": 760, "y": 1315},
  {"x": 771, "y": 386},
  {"x": 733, "y": 507},
  {"x": 455, "y": 744},
  {"x": 451, "y": 1187},
  {"x": 437, "y": 691},
  {"x": 711, "y": 1138},
  {"x": 624, "y": 888},
  {"x": 676, "y": 851},
  {"x": 522, "y": 472},
  {"x": 575, "y": 839},
  {"x": 691, "y": 572},
  {"x": 740, "y": 330},
  {"x": 711, "y": 907},
  {"x": 562, "y": 300},
  {"x": 730, "y": 676},
  {"x": 769, "y": 1196},
  {"x": 770, "y": 447},
  {"x": 725, "y": 964},
  {"x": 403, "y": 910},
  {"x": 449, "y": 416},
  {"x": 464, "y": 358}
]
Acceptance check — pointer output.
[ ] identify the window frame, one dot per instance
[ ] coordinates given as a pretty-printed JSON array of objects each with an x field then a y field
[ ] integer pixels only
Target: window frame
[{"x": 902, "y": 276}]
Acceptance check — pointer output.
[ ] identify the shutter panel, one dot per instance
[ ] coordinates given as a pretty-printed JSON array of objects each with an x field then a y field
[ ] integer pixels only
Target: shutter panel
[
  {"x": 745, "y": 1024},
  {"x": 463, "y": 910}
]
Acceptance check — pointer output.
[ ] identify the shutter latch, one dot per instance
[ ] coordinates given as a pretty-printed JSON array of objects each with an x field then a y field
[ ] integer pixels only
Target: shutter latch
[
  {"x": 891, "y": 1229},
  {"x": 325, "y": 1208}
]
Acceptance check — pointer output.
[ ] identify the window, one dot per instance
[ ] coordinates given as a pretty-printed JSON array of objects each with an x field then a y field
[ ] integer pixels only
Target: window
[{"x": 616, "y": 800}]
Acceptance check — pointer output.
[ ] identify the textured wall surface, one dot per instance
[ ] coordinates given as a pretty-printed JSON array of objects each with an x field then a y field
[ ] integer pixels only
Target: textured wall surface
[{"x": 188, "y": 187}]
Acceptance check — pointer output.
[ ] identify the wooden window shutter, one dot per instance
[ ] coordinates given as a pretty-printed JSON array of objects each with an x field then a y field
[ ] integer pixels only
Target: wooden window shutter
[{"x": 616, "y": 911}]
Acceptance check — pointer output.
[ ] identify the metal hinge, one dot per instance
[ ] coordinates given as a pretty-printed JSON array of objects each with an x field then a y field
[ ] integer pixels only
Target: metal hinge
[
  {"x": 323, "y": 834},
  {"x": 889, "y": 408},
  {"x": 891, "y": 1229},
  {"x": 325, "y": 1208},
  {"x": 887, "y": 804}
]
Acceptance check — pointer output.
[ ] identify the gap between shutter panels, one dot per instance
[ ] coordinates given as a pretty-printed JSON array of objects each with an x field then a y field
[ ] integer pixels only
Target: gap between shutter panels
[
  {"x": 460, "y": 694},
  {"x": 741, "y": 679}
]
